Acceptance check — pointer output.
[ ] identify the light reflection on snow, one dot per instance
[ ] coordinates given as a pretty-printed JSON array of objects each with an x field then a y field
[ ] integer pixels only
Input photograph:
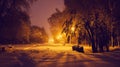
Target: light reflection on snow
[{"x": 61, "y": 56}]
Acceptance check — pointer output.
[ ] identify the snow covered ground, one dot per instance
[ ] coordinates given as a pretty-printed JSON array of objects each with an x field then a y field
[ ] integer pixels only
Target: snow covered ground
[{"x": 57, "y": 56}]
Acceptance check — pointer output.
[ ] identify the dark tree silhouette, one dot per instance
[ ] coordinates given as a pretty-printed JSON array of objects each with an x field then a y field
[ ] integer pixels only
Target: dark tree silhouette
[
  {"x": 94, "y": 20},
  {"x": 14, "y": 21},
  {"x": 38, "y": 35},
  {"x": 95, "y": 17}
]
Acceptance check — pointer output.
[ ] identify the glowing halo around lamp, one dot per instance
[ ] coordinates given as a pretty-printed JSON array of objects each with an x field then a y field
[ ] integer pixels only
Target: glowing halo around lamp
[
  {"x": 73, "y": 29},
  {"x": 51, "y": 40},
  {"x": 59, "y": 36}
]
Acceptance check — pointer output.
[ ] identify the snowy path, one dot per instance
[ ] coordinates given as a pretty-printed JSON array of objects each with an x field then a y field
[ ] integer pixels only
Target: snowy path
[
  {"x": 57, "y": 56},
  {"x": 75, "y": 59}
]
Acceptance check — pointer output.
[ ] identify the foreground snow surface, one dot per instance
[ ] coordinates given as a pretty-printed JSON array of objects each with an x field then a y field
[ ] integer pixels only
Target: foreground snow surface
[{"x": 57, "y": 56}]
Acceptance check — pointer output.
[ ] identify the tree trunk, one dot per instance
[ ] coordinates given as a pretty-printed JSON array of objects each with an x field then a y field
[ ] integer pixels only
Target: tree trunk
[{"x": 94, "y": 47}]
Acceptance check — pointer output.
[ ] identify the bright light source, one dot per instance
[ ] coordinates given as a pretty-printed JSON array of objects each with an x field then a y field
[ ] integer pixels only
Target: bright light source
[
  {"x": 59, "y": 36},
  {"x": 73, "y": 29},
  {"x": 51, "y": 40}
]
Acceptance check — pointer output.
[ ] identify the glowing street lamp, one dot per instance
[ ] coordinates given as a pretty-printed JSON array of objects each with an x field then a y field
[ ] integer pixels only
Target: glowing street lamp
[
  {"x": 73, "y": 29},
  {"x": 59, "y": 36}
]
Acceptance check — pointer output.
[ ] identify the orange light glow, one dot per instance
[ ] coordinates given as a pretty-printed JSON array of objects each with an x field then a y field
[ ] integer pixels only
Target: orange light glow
[
  {"x": 73, "y": 29},
  {"x": 59, "y": 36},
  {"x": 51, "y": 40}
]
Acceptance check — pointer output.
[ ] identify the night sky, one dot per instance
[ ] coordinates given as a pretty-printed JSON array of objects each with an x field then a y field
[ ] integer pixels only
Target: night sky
[{"x": 42, "y": 10}]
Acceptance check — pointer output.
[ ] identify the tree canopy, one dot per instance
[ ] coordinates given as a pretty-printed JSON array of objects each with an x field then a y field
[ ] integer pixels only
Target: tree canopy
[
  {"x": 93, "y": 20},
  {"x": 38, "y": 35},
  {"x": 14, "y": 15}
]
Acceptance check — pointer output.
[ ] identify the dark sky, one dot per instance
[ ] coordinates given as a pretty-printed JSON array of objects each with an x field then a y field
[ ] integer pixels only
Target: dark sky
[{"x": 42, "y": 10}]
